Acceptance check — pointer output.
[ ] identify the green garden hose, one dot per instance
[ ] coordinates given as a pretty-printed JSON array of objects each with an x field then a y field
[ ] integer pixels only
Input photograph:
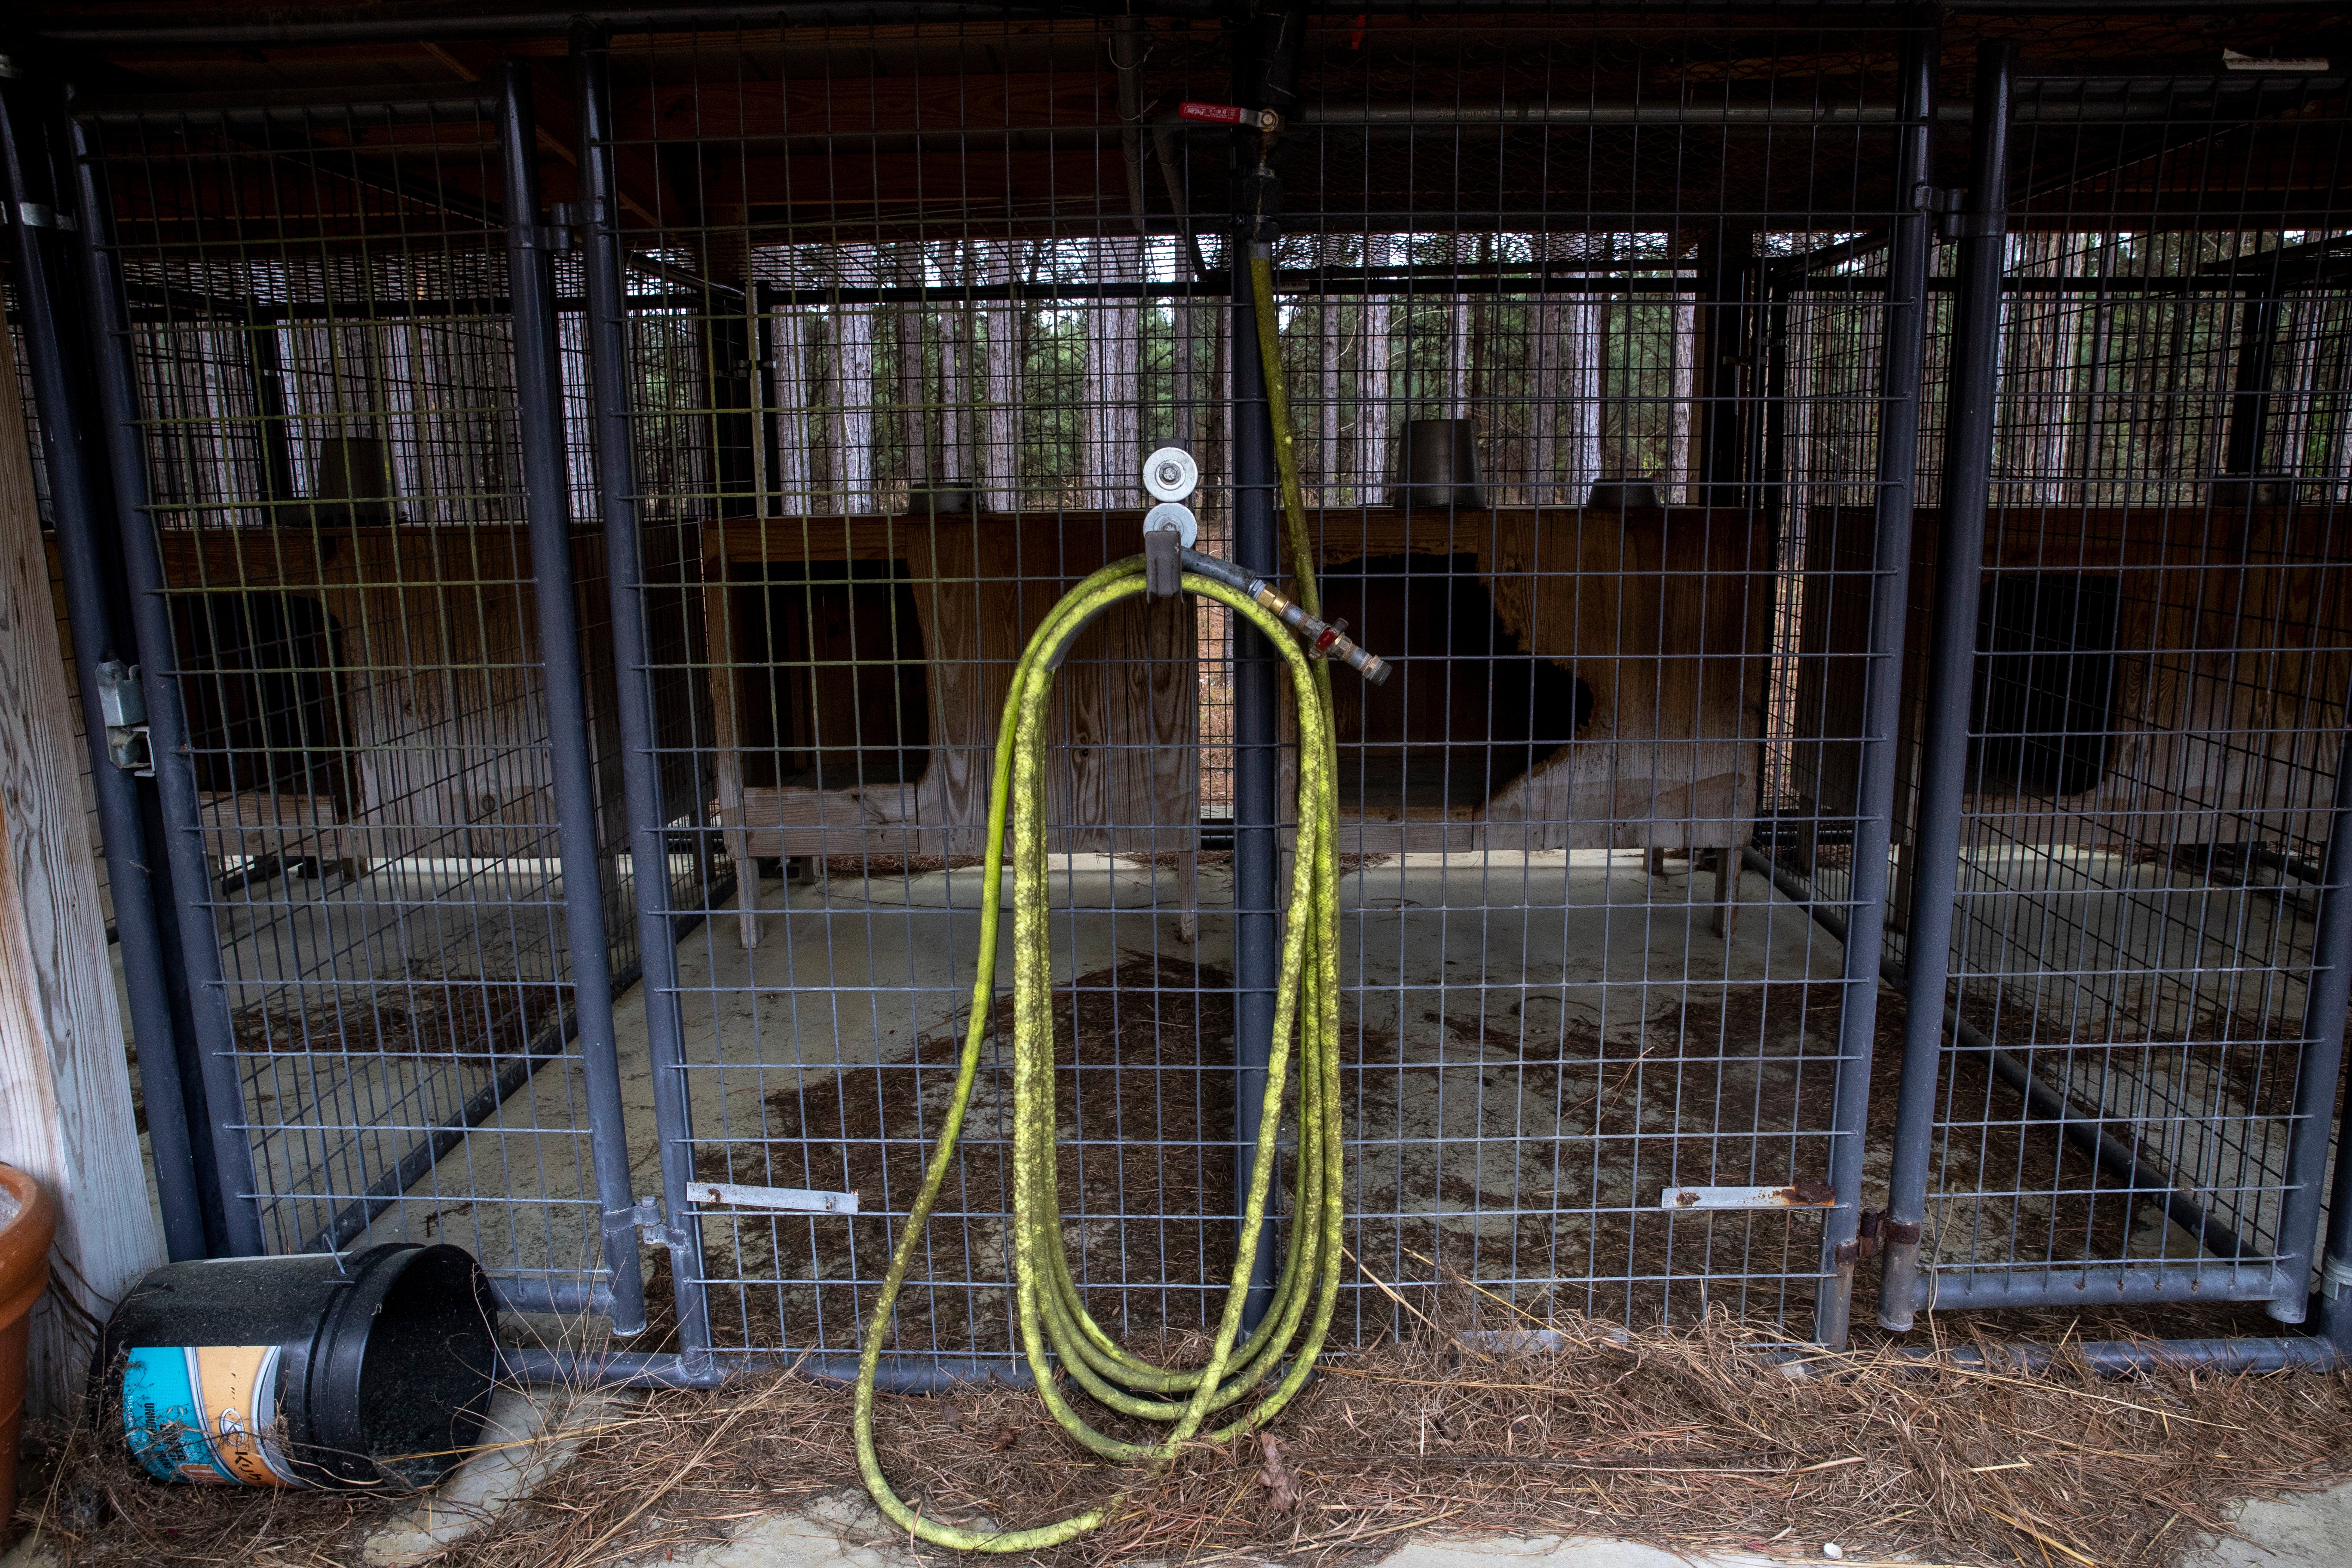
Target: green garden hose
[{"x": 1053, "y": 1320}]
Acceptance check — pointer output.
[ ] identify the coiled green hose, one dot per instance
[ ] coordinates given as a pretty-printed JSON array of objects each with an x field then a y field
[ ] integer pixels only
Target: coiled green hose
[{"x": 1053, "y": 1320}]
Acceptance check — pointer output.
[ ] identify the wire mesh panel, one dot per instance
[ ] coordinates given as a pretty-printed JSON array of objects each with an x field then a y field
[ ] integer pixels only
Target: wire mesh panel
[
  {"x": 2155, "y": 714},
  {"x": 326, "y": 385},
  {"x": 1592, "y": 328},
  {"x": 935, "y": 293}
]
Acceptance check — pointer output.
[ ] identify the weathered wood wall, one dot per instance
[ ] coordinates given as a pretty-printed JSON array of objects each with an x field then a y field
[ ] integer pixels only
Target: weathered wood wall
[
  {"x": 1122, "y": 701},
  {"x": 1126, "y": 778},
  {"x": 1664, "y": 615},
  {"x": 65, "y": 1116}
]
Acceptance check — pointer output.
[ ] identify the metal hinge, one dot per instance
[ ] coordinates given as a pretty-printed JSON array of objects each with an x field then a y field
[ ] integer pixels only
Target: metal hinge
[
  {"x": 1875, "y": 1234},
  {"x": 1948, "y": 205},
  {"x": 40, "y": 215},
  {"x": 550, "y": 237},
  {"x": 122, "y": 705},
  {"x": 1954, "y": 219},
  {"x": 2334, "y": 1277},
  {"x": 653, "y": 1227}
]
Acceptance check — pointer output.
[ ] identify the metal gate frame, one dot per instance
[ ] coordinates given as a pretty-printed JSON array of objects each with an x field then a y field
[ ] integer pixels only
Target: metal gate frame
[
  {"x": 211, "y": 1166},
  {"x": 1907, "y": 1287}
]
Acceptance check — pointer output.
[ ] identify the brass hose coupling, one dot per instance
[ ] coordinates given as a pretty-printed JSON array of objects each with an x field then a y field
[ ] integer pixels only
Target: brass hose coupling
[{"x": 1325, "y": 639}]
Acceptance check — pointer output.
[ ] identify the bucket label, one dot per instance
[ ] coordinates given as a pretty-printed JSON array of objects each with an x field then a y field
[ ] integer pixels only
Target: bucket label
[{"x": 206, "y": 1413}]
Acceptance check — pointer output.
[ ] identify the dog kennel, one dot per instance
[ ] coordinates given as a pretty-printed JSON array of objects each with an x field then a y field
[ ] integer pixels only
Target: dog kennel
[{"x": 1855, "y": 498}]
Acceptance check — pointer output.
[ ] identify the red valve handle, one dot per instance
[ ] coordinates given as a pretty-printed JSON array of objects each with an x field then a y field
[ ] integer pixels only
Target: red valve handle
[{"x": 1211, "y": 113}]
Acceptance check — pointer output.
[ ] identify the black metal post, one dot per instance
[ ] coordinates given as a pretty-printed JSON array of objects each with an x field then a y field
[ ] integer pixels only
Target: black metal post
[
  {"x": 2327, "y": 993},
  {"x": 738, "y": 432},
  {"x": 2249, "y": 393},
  {"x": 189, "y": 869},
  {"x": 1902, "y": 351},
  {"x": 616, "y": 495},
  {"x": 1257, "y": 773},
  {"x": 1264, "y": 54},
  {"x": 2336, "y": 954},
  {"x": 56, "y": 365},
  {"x": 1951, "y": 667},
  {"x": 547, "y": 506},
  {"x": 1727, "y": 320}
]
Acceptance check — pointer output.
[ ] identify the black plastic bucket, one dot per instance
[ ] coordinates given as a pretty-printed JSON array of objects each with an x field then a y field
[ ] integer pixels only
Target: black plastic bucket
[
  {"x": 373, "y": 1371},
  {"x": 1437, "y": 465}
]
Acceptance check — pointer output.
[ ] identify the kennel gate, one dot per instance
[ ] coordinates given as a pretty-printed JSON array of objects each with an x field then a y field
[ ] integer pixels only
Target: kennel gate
[{"x": 844, "y": 445}]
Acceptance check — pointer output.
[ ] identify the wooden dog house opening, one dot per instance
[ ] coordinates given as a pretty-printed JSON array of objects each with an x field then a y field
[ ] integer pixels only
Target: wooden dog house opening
[
  {"x": 829, "y": 676},
  {"x": 265, "y": 695},
  {"x": 2042, "y": 713},
  {"x": 1469, "y": 711}
]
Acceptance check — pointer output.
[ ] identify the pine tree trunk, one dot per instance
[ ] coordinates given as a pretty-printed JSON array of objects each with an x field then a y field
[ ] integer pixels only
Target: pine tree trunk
[
  {"x": 1579, "y": 400},
  {"x": 795, "y": 419},
  {"x": 1680, "y": 379},
  {"x": 853, "y": 409},
  {"x": 1329, "y": 474},
  {"x": 957, "y": 335},
  {"x": 1372, "y": 350},
  {"x": 1113, "y": 381},
  {"x": 914, "y": 375},
  {"x": 1000, "y": 455}
]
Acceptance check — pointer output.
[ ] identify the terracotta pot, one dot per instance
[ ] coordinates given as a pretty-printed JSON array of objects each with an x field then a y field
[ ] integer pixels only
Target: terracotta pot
[{"x": 24, "y": 1240}]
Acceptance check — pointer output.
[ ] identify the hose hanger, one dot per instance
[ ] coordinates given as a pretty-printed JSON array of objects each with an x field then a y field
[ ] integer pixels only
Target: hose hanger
[{"x": 1170, "y": 475}]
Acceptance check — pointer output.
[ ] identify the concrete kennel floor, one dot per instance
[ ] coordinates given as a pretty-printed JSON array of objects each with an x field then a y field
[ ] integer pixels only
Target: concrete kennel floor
[
  {"x": 1458, "y": 975},
  {"x": 853, "y": 970}
]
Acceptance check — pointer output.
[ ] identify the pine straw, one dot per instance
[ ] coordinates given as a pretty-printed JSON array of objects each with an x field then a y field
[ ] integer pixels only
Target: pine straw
[{"x": 1685, "y": 1438}]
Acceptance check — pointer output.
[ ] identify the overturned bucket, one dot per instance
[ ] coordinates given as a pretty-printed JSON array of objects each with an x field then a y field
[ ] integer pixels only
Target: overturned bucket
[
  {"x": 373, "y": 1371},
  {"x": 1437, "y": 465}
]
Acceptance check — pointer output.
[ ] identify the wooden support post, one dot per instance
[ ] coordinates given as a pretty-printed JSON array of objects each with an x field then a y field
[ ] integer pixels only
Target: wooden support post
[
  {"x": 718, "y": 612},
  {"x": 65, "y": 1078}
]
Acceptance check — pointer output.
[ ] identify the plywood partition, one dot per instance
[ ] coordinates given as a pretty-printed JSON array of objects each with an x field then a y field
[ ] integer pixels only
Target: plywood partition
[
  {"x": 431, "y": 648},
  {"x": 1126, "y": 778},
  {"x": 2231, "y": 649},
  {"x": 1664, "y": 616},
  {"x": 65, "y": 1109}
]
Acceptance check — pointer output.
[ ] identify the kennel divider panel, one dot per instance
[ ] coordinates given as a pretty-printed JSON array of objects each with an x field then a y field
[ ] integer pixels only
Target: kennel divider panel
[
  {"x": 864, "y": 351},
  {"x": 343, "y": 438},
  {"x": 2161, "y": 669}
]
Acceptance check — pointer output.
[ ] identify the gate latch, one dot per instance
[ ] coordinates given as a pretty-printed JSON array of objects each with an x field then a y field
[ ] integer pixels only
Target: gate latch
[
  {"x": 1264, "y": 119},
  {"x": 123, "y": 707},
  {"x": 1796, "y": 1196}
]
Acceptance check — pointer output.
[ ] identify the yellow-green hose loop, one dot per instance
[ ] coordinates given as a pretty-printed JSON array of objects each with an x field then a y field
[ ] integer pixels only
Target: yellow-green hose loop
[{"x": 1054, "y": 1323}]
